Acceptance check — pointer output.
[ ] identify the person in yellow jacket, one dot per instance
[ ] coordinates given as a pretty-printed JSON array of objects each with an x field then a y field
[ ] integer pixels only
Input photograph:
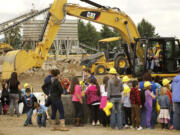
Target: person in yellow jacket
[
  {"x": 126, "y": 102},
  {"x": 157, "y": 57}
]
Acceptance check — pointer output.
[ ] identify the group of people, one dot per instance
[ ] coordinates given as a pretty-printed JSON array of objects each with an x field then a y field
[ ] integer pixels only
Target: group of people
[{"x": 136, "y": 104}]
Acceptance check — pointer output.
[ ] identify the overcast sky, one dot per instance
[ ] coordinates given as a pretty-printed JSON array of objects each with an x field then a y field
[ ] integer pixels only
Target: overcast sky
[{"x": 163, "y": 14}]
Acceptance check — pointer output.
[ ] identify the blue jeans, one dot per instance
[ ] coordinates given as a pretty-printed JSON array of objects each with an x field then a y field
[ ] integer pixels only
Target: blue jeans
[
  {"x": 57, "y": 105},
  {"x": 41, "y": 119},
  {"x": 143, "y": 117},
  {"x": 116, "y": 113},
  {"x": 176, "y": 117},
  {"x": 29, "y": 115},
  {"x": 0, "y": 108},
  {"x": 154, "y": 115}
]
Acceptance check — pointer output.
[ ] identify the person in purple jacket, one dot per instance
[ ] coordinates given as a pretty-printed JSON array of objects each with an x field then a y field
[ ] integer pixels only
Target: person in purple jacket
[
  {"x": 149, "y": 96},
  {"x": 176, "y": 100}
]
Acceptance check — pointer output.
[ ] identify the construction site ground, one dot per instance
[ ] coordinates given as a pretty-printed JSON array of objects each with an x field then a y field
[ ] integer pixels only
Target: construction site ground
[{"x": 14, "y": 126}]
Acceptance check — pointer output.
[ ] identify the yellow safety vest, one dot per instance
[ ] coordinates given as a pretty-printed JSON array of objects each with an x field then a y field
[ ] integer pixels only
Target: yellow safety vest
[{"x": 156, "y": 53}]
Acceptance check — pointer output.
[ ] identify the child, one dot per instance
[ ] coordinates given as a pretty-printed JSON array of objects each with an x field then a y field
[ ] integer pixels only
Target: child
[
  {"x": 77, "y": 100},
  {"x": 5, "y": 99},
  {"x": 28, "y": 100},
  {"x": 149, "y": 96},
  {"x": 103, "y": 88},
  {"x": 42, "y": 114},
  {"x": 136, "y": 105},
  {"x": 93, "y": 100},
  {"x": 166, "y": 83},
  {"x": 126, "y": 102},
  {"x": 164, "y": 108}
]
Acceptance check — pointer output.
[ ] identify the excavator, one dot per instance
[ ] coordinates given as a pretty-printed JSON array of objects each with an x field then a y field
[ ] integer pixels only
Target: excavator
[{"x": 21, "y": 60}]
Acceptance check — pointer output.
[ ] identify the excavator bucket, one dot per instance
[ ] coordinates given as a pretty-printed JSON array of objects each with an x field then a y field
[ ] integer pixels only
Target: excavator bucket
[{"x": 16, "y": 61}]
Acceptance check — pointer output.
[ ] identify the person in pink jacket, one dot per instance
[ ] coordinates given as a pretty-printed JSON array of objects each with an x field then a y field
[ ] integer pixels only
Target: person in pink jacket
[
  {"x": 77, "y": 100},
  {"x": 93, "y": 100}
]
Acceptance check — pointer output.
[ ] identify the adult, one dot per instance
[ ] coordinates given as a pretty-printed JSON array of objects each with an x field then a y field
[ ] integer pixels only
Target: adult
[
  {"x": 114, "y": 94},
  {"x": 47, "y": 83},
  {"x": 56, "y": 103},
  {"x": 147, "y": 77},
  {"x": 13, "y": 85},
  {"x": 150, "y": 61},
  {"x": 176, "y": 99},
  {"x": 157, "y": 57}
]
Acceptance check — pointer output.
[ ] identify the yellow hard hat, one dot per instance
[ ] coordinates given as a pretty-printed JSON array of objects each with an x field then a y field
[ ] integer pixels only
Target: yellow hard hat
[
  {"x": 126, "y": 89},
  {"x": 126, "y": 79},
  {"x": 157, "y": 45},
  {"x": 147, "y": 84},
  {"x": 165, "y": 82},
  {"x": 26, "y": 85},
  {"x": 83, "y": 66},
  {"x": 112, "y": 71}
]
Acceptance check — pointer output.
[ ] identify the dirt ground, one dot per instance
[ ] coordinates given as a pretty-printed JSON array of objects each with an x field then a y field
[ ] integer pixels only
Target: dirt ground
[{"x": 14, "y": 126}]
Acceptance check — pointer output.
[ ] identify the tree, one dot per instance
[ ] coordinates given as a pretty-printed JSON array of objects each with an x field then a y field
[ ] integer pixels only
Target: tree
[
  {"x": 13, "y": 37},
  {"x": 107, "y": 32},
  {"x": 146, "y": 29},
  {"x": 87, "y": 34}
]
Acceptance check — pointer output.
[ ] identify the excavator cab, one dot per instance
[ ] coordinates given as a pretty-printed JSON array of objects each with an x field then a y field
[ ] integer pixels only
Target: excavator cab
[{"x": 169, "y": 55}]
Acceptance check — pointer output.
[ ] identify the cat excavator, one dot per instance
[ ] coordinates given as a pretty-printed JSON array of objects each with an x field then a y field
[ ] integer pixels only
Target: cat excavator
[{"x": 21, "y": 60}]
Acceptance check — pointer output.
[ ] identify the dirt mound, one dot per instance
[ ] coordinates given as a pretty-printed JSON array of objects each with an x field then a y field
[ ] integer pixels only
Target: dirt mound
[{"x": 68, "y": 67}]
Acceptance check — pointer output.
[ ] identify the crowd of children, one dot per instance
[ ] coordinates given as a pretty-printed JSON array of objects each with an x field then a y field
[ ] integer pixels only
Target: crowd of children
[{"x": 136, "y": 104}]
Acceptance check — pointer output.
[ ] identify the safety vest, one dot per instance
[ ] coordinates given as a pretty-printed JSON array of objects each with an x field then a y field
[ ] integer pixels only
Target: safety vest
[{"x": 156, "y": 52}]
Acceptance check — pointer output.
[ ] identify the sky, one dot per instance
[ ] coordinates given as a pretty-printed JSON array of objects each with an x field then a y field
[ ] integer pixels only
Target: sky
[{"x": 163, "y": 14}]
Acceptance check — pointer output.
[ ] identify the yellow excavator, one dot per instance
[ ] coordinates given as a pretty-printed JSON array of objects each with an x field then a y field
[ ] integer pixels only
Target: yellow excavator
[{"x": 22, "y": 60}]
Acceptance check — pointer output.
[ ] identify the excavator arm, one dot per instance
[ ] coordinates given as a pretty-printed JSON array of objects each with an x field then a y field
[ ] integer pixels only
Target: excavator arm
[
  {"x": 21, "y": 60},
  {"x": 110, "y": 17}
]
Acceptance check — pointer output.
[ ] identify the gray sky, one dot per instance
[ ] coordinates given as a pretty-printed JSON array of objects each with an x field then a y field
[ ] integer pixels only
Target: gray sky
[{"x": 163, "y": 14}]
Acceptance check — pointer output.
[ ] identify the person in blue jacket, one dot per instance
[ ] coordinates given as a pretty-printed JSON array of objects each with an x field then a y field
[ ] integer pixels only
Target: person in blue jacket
[{"x": 176, "y": 100}]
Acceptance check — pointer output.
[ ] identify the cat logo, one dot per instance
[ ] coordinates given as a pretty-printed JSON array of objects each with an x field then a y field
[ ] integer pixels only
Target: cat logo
[{"x": 93, "y": 15}]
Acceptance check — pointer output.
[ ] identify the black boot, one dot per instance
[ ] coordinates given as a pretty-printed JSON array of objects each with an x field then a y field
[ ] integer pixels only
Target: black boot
[
  {"x": 162, "y": 125},
  {"x": 166, "y": 126}
]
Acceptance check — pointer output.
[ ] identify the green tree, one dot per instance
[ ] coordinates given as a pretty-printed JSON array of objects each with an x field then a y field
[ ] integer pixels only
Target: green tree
[
  {"x": 108, "y": 32},
  {"x": 146, "y": 29},
  {"x": 87, "y": 34},
  {"x": 13, "y": 37}
]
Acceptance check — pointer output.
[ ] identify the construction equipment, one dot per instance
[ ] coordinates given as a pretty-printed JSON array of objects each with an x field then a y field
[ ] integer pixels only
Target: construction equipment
[
  {"x": 4, "y": 48},
  {"x": 170, "y": 59},
  {"x": 21, "y": 60},
  {"x": 110, "y": 56}
]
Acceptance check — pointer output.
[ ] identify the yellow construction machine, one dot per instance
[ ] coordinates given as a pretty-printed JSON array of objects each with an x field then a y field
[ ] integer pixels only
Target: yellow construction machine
[
  {"x": 4, "y": 48},
  {"x": 21, "y": 60},
  {"x": 110, "y": 55}
]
